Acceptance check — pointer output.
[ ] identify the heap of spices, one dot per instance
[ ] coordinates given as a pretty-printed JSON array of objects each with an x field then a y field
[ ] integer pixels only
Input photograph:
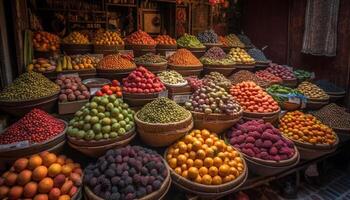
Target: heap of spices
[
  {"x": 140, "y": 38},
  {"x": 35, "y": 127},
  {"x": 189, "y": 41},
  {"x": 116, "y": 62},
  {"x": 245, "y": 75},
  {"x": 183, "y": 57},
  {"x": 150, "y": 58},
  {"x": 162, "y": 110},
  {"x": 334, "y": 116}
]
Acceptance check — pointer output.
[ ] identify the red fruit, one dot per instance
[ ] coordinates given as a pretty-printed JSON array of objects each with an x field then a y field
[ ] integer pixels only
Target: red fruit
[
  {"x": 109, "y": 92},
  {"x": 105, "y": 88},
  {"x": 115, "y": 83},
  {"x": 99, "y": 93},
  {"x": 113, "y": 89}
]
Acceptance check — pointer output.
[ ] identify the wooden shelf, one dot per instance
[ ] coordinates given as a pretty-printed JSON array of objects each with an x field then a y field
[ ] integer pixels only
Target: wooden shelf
[
  {"x": 121, "y": 5},
  {"x": 87, "y": 22},
  {"x": 71, "y": 10}
]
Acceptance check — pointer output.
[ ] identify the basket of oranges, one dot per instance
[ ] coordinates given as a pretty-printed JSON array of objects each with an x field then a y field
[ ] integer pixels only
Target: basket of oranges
[{"x": 203, "y": 164}]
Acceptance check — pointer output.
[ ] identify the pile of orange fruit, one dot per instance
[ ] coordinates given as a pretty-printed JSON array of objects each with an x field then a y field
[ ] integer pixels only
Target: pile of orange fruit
[
  {"x": 108, "y": 38},
  {"x": 165, "y": 40},
  {"x": 306, "y": 128},
  {"x": 140, "y": 38},
  {"x": 43, "y": 176},
  {"x": 202, "y": 157},
  {"x": 44, "y": 41}
]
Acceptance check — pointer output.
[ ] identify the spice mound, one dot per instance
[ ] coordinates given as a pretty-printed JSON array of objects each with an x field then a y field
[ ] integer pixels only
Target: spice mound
[
  {"x": 35, "y": 127},
  {"x": 189, "y": 41},
  {"x": 163, "y": 110},
  {"x": 29, "y": 86},
  {"x": 312, "y": 91},
  {"x": 165, "y": 40},
  {"x": 183, "y": 57},
  {"x": 268, "y": 77},
  {"x": 116, "y": 62},
  {"x": 334, "y": 116},
  {"x": 150, "y": 58},
  {"x": 171, "y": 77},
  {"x": 140, "y": 38},
  {"x": 244, "y": 75}
]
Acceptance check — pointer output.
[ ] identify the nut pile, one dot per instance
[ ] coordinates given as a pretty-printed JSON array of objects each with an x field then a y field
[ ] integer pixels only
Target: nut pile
[
  {"x": 104, "y": 117},
  {"x": 116, "y": 62},
  {"x": 312, "y": 91},
  {"x": 211, "y": 98},
  {"x": 162, "y": 110},
  {"x": 127, "y": 173},
  {"x": 189, "y": 41},
  {"x": 76, "y": 38},
  {"x": 171, "y": 77},
  {"x": 183, "y": 57},
  {"x": 216, "y": 56},
  {"x": 260, "y": 140},
  {"x": 334, "y": 116},
  {"x": 253, "y": 98},
  {"x": 140, "y": 38},
  {"x": 109, "y": 38},
  {"x": 245, "y": 75},
  {"x": 44, "y": 41},
  {"x": 281, "y": 71},
  {"x": 218, "y": 79},
  {"x": 150, "y": 58},
  {"x": 43, "y": 65},
  {"x": 35, "y": 127},
  {"x": 268, "y": 77},
  {"x": 165, "y": 40},
  {"x": 203, "y": 158},
  {"x": 240, "y": 56},
  {"x": 208, "y": 36},
  {"x": 233, "y": 41},
  {"x": 306, "y": 128},
  {"x": 29, "y": 86},
  {"x": 72, "y": 88}
]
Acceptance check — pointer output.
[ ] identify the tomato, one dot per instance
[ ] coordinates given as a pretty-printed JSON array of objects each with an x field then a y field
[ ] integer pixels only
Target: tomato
[
  {"x": 109, "y": 92},
  {"x": 115, "y": 83},
  {"x": 113, "y": 89},
  {"x": 105, "y": 88},
  {"x": 99, "y": 93}
]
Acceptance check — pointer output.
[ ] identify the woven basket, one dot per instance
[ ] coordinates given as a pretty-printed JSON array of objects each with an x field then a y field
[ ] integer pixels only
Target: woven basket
[
  {"x": 107, "y": 49},
  {"x": 98, "y": 150},
  {"x": 166, "y": 47},
  {"x": 73, "y": 49},
  {"x": 189, "y": 70},
  {"x": 314, "y": 104},
  {"x": 114, "y": 74},
  {"x": 209, "y": 190},
  {"x": 154, "y": 67},
  {"x": 210, "y": 45},
  {"x": 157, "y": 195},
  {"x": 225, "y": 70},
  {"x": 139, "y": 99},
  {"x": 290, "y": 83}
]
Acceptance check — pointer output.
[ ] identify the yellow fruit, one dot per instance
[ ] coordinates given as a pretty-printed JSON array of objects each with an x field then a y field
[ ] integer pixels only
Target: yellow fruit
[
  {"x": 49, "y": 159},
  {"x": 202, "y": 171},
  {"x": 54, "y": 169},
  {"x": 206, "y": 179},
  {"x": 192, "y": 173},
  {"x": 213, "y": 171},
  {"x": 224, "y": 170},
  {"x": 216, "y": 180}
]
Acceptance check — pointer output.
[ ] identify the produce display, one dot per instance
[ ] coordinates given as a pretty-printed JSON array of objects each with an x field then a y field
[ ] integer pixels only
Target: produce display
[
  {"x": 211, "y": 98},
  {"x": 76, "y": 38},
  {"x": 183, "y": 57},
  {"x": 216, "y": 56},
  {"x": 260, "y": 140},
  {"x": 130, "y": 172},
  {"x": 329, "y": 87},
  {"x": 41, "y": 177},
  {"x": 171, "y": 77},
  {"x": 281, "y": 71},
  {"x": 140, "y": 38},
  {"x": 203, "y": 158},
  {"x": 267, "y": 76},
  {"x": 43, "y": 65},
  {"x": 35, "y": 127},
  {"x": 244, "y": 38},
  {"x": 72, "y": 88},
  {"x": 240, "y": 56},
  {"x": 223, "y": 41},
  {"x": 217, "y": 79},
  {"x": 108, "y": 38},
  {"x": 306, "y": 128},
  {"x": 150, "y": 58},
  {"x": 334, "y": 116},
  {"x": 194, "y": 82},
  {"x": 165, "y": 40},
  {"x": 312, "y": 91},
  {"x": 105, "y": 117},
  {"x": 29, "y": 86},
  {"x": 44, "y": 41},
  {"x": 208, "y": 36},
  {"x": 232, "y": 40},
  {"x": 162, "y": 110},
  {"x": 245, "y": 75},
  {"x": 142, "y": 81},
  {"x": 189, "y": 41},
  {"x": 302, "y": 74},
  {"x": 257, "y": 55},
  {"x": 84, "y": 61},
  {"x": 116, "y": 62},
  {"x": 109, "y": 89},
  {"x": 253, "y": 98},
  {"x": 281, "y": 93}
]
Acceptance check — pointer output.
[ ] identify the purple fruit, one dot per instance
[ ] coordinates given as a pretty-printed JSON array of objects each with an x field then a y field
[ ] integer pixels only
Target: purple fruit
[
  {"x": 273, "y": 151},
  {"x": 267, "y": 144}
]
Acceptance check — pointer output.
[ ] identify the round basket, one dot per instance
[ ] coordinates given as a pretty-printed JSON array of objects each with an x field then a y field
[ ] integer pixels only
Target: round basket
[
  {"x": 267, "y": 117},
  {"x": 73, "y": 49},
  {"x": 290, "y": 83},
  {"x": 315, "y": 104},
  {"x": 217, "y": 123},
  {"x": 208, "y": 190},
  {"x": 342, "y": 133},
  {"x": 140, "y": 50},
  {"x": 189, "y": 70},
  {"x": 83, "y": 73},
  {"x": 107, "y": 49},
  {"x": 154, "y": 67},
  {"x": 20, "y": 108},
  {"x": 167, "y": 47},
  {"x": 96, "y": 82},
  {"x": 157, "y": 195},
  {"x": 159, "y": 135},
  {"x": 114, "y": 74},
  {"x": 54, "y": 144},
  {"x": 139, "y": 99},
  {"x": 225, "y": 70},
  {"x": 98, "y": 148},
  {"x": 334, "y": 98},
  {"x": 248, "y": 67},
  {"x": 210, "y": 45},
  {"x": 290, "y": 106}
]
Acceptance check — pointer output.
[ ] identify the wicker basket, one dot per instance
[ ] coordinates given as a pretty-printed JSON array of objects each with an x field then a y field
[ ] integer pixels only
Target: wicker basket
[
  {"x": 210, "y": 45},
  {"x": 114, "y": 74},
  {"x": 208, "y": 190},
  {"x": 313, "y": 104},
  {"x": 159, "y": 135},
  {"x": 225, "y": 70},
  {"x": 54, "y": 144},
  {"x": 217, "y": 123},
  {"x": 157, "y": 195},
  {"x": 83, "y": 73},
  {"x": 73, "y": 49},
  {"x": 290, "y": 83},
  {"x": 190, "y": 70},
  {"x": 140, "y": 99},
  {"x": 107, "y": 49},
  {"x": 98, "y": 148},
  {"x": 154, "y": 67},
  {"x": 267, "y": 117}
]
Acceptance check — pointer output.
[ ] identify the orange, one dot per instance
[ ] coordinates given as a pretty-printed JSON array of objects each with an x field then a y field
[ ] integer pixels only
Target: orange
[
  {"x": 168, "y": 157},
  {"x": 176, "y": 152},
  {"x": 206, "y": 179},
  {"x": 221, "y": 155},
  {"x": 34, "y": 161},
  {"x": 200, "y": 154},
  {"x": 215, "y": 149},
  {"x": 196, "y": 145},
  {"x": 209, "y": 141},
  {"x": 232, "y": 163},
  {"x": 189, "y": 162},
  {"x": 205, "y": 133},
  {"x": 184, "y": 174},
  {"x": 49, "y": 159},
  {"x": 24, "y": 177},
  {"x": 192, "y": 173},
  {"x": 39, "y": 173},
  {"x": 224, "y": 170},
  {"x": 227, "y": 179},
  {"x": 198, "y": 179},
  {"x": 64, "y": 197},
  {"x": 189, "y": 147},
  {"x": 208, "y": 162},
  {"x": 192, "y": 155},
  {"x": 4, "y": 191},
  {"x": 173, "y": 163},
  {"x": 216, "y": 180},
  {"x": 183, "y": 167},
  {"x": 181, "y": 159},
  {"x": 197, "y": 131},
  {"x": 20, "y": 164},
  {"x": 220, "y": 145},
  {"x": 198, "y": 163},
  {"x": 188, "y": 139},
  {"x": 45, "y": 185},
  {"x": 238, "y": 159},
  {"x": 213, "y": 171},
  {"x": 182, "y": 148},
  {"x": 66, "y": 169},
  {"x": 234, "y": 171},
  {"x": 61, "y": 159},
  {"x": 202, "y": 171},
  {"x": 217, "y": 161},
  {"x": 30, "y": 189},
  {"x": 178, "y": 170},
  {"x": 10, "y": 178},
  {"x": 54, "y": 169}
]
